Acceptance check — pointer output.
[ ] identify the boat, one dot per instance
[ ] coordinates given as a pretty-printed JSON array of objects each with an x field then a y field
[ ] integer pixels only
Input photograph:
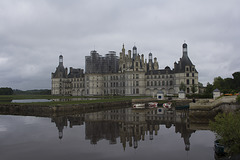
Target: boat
[
  {"x": 219, "y": 149},
  {"x": 152, "y": 105},
  {"x": 167, "y": 105},
  {"x": 182, "y": 107},
  {"x": 138, "y": 106}
]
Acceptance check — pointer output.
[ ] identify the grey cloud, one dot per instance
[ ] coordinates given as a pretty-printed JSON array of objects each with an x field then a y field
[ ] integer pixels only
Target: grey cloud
[{"x": 34, "y": 33}]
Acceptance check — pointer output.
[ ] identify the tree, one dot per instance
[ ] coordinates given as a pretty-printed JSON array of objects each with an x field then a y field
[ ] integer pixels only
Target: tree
[
  {"x": 227, "y": 127},
  {"x": 194, "y": 88},
  {"x": 182, "y": 87},
  {"x": 228, "y": 85},
  {"x": 236, "y": 80},
  {"x": 218, "y": 83},
  {"x": 6, "y": 91},
  {"x": 209, "y": 88}
]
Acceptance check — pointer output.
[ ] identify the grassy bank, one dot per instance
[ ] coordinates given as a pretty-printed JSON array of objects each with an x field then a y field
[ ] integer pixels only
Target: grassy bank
[{"x": 67, "y": 99}]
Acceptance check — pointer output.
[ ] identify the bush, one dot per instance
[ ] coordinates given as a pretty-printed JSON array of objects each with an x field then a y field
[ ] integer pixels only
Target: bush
[
  {"x": 205, "y": 95},
  {"x": 238, "y": 99},
  {"x": 227, "y": 127}
]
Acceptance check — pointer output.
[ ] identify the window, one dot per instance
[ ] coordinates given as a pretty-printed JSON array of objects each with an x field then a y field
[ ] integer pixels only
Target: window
[
  {"x": 137, "y": 64},
  {"x": 192, "y": 74},
  {"x": 137, "y": 76},
  {"x": 147, "y": 83},
  {"x": 137, "y": 91},
  {"x": 193, "y": 81},
  {"x": 163, "y": 83},
  {"x": 137, "y": 84},
  {"x": 187, "y": 81}
]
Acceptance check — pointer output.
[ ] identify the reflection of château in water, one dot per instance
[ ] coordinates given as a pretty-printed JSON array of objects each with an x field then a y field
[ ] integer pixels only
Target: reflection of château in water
[{"x": 130, "y": 125}]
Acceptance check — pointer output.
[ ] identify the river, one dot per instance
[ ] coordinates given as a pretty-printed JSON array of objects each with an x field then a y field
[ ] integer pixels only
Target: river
[{"x": 123, "y": 134}]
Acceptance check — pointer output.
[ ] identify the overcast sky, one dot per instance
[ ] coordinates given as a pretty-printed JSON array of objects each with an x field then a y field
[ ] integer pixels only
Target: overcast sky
[{"x": 34, "y": 33}]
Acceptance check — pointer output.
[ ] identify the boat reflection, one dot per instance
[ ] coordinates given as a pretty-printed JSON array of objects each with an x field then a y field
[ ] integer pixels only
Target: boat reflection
[{"x": 130, "y": 125}]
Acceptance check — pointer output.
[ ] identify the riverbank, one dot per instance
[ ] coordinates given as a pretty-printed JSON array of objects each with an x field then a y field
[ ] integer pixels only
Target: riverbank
[
  {"x": 48, "y": 110},
  {"x": 211, "y": 107},
  {"x": 60, "y": 104}
]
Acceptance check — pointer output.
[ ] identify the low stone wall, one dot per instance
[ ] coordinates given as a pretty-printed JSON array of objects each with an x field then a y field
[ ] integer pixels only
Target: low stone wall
[
  {"x": 46, "y": 111},
  {"x": 210, "y": 108},
  {"x": 209, "y": 104}
]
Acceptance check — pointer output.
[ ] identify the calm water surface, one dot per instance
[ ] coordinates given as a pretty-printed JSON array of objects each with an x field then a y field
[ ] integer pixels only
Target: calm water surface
[{"x": 115, "y": 134}]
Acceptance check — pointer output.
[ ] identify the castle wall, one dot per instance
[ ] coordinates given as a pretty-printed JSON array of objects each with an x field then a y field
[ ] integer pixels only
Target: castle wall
[{"x": 128, "y": 75}]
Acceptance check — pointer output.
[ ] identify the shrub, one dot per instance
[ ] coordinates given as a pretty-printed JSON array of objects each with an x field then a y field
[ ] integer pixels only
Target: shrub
[
  {"x": 227, "y": 127},
  {"x": 238, "y": 99}
]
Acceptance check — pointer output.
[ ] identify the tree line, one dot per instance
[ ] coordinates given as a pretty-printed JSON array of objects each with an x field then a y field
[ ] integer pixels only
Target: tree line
[
  {"x": 32, "y": 92},
  {"x": 10, "y": 91},
  {"x": 6, "y": 91},
  {"x": 226, "y": 85}
]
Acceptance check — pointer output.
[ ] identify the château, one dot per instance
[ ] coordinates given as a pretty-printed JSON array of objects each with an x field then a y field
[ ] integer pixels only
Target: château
[{"x": 129, "y": 74}]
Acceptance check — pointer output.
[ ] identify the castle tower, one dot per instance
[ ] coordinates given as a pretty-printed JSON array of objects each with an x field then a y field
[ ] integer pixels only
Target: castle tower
[
  {"x": 155, "y": 64},
  {"x": 60, "y": 60},
  {"x": 123, "y": 50},
  {"x": 150, "y": 61},
  {"x": 134, "y": 52},
  {"x": 184, "y": 48},
  {"x": 150, "y": 57}
]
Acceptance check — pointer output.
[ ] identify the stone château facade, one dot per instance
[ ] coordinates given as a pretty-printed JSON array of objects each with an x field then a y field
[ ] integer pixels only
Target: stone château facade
[{"x": 130, "y": 74}]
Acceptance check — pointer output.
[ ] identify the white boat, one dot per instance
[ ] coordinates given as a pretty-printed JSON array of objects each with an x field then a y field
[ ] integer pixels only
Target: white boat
[
  {"x": 152, "y": 105},
  {"x": 138, "y": 106},
  {"x": 167, "y": 105}
]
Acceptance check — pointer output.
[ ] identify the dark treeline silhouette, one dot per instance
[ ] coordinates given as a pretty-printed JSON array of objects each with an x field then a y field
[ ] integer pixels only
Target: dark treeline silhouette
[
  {"x": 6, "y": 91},
  {"x": 33, "y": 92},
  {"x": 226, "y": 85}
]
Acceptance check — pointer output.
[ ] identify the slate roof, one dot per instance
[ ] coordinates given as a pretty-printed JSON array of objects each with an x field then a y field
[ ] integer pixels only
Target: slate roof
[
  {"x": 160, "y": 71},
  {"x": 60, "y": 72},
  {"x": 182, "y": 63}
]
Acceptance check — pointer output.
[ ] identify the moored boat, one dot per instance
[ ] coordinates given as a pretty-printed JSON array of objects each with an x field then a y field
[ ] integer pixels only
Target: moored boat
[
  {"x": 218, "y": 148},
  {"x": 182, "y": 107},
  {"x": 152, "y": 105},
  {"x": 167, "y": 105},
  {"x": 138, "y": 106}
]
